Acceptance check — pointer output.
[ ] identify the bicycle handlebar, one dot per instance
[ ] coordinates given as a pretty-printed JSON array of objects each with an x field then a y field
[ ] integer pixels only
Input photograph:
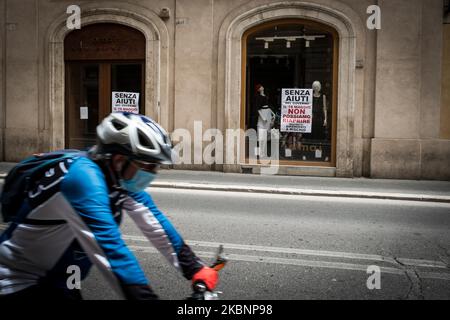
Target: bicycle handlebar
[{"x": 200, "y": 291}]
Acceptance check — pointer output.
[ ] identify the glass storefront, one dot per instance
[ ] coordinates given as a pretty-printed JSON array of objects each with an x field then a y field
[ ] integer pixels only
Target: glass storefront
[{"x": 290, "y": 83}]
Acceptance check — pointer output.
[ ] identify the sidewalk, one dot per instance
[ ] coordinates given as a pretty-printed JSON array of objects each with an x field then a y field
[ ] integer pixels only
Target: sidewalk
[{"x": 431, "y": 191}]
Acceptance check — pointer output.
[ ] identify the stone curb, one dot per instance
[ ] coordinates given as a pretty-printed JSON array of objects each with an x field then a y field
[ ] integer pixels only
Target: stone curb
[
  {"x": 299, "y": 192},
  {"x": 302, "y": 192}
]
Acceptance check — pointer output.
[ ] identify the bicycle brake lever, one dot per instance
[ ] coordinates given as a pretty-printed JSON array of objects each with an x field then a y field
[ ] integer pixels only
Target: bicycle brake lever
[{"x": 220, "y": 259}]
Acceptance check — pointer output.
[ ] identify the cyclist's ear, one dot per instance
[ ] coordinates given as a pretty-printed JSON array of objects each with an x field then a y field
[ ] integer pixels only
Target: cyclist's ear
[{"x": 118, "y": 162}]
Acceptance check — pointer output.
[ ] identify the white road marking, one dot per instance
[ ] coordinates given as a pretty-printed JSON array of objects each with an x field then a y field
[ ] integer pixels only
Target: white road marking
[
  {"x": 316, "y": 253},
  {"x": 305, "y": 263},
  {"x": 414, "y": 263}
]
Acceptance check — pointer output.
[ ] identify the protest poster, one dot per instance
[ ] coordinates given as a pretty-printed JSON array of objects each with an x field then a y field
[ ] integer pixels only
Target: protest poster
[
  {"x": 296, "y": 110},
  {"x": 125, "y": 102}
]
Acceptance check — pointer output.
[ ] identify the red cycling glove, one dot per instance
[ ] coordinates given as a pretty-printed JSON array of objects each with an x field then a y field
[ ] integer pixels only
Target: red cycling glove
[{"x": 208, "y": 276}]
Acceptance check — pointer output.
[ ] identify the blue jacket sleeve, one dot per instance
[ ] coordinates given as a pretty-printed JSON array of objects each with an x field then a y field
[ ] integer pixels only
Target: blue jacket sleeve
[
  {"x": 160, "y": 231},
  {"x": 85, "y": 189}
]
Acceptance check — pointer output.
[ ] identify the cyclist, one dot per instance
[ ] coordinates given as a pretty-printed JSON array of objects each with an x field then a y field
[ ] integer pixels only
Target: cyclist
[{"x": 72, "y": 215}]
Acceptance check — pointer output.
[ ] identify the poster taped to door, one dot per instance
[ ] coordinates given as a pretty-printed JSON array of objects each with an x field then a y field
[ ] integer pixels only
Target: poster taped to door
[
  {"x": 296, "y": 110},
  {"x": 125, "y": 102}
]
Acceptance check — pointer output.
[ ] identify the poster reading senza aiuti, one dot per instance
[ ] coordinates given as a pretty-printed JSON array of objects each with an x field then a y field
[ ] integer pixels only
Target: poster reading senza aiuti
[
  {"x": 125, "y": 102},
  {"x": 296, "y": 110}
]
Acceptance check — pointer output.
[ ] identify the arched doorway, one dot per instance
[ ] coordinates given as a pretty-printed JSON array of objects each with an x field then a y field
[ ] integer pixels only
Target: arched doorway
[
  {"x": 104, "y": 72},
  {"x": 282, "y": 56}
]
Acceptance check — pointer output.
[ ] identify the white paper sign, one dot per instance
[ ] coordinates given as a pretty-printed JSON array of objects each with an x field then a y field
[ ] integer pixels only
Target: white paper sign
[
  {"x": 288, "y": 153},
  {"x": 125, "y": 102},
  {"x": 318, "y": 153},
  {"x": 84, "y": 114},
  {"x": 296, "y": 110}
]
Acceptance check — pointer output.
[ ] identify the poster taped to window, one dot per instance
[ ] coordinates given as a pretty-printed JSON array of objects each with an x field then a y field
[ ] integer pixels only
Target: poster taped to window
[
  {"x": 125, "y": 102},
  {"x": 296, "y": 110}
]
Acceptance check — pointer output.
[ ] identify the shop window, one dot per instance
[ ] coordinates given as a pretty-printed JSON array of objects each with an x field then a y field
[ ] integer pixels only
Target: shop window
[{"x": 283, "y": 59}]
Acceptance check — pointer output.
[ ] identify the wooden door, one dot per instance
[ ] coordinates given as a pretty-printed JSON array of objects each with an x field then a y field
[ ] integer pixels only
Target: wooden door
[{"x": 100, "y": 59}]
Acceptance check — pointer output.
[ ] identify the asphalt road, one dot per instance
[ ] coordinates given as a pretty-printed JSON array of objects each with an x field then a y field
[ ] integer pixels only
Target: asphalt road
[
  {"x": 294, "y": 247},
  {"x": 291, "y": 247}
]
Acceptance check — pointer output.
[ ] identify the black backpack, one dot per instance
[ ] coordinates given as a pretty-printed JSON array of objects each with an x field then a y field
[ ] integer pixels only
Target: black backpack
[{"x": 19, "y": 180}]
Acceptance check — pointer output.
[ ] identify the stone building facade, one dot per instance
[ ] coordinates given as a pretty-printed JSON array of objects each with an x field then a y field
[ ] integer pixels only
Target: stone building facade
[{"x": 388, "y": 89}]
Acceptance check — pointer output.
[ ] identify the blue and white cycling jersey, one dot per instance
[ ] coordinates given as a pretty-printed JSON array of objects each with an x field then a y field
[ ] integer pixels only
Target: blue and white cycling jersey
[{"x": 72, "y": 218}]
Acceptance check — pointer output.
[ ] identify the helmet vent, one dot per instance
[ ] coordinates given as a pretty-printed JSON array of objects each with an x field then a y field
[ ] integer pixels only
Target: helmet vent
[
  {"x": 144, "y": 141},
  {"x": 117, "y": 125}
]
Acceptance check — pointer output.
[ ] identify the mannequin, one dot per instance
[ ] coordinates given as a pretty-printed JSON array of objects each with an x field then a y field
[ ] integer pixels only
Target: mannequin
[
  {"x": 265, "y": 116},
  {"x": 319, "y": 121},
  {"x": 320, "y": 118}
]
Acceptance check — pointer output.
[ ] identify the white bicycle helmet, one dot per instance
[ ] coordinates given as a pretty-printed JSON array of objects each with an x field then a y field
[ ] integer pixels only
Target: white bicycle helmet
[{"x": 136, "y": 136}]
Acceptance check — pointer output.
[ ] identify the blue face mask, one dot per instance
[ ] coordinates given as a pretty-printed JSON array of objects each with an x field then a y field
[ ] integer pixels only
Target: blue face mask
[{"x": 139, "y": 182}]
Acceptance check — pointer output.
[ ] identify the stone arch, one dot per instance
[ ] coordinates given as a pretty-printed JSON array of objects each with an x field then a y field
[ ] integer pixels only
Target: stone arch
[
  {"x": 350, "y": 29},
  {"x": 156, "y": 60}
]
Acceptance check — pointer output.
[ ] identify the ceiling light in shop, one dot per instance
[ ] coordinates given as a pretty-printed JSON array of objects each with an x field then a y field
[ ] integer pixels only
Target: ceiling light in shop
[{"x": 289, "y": 40}]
